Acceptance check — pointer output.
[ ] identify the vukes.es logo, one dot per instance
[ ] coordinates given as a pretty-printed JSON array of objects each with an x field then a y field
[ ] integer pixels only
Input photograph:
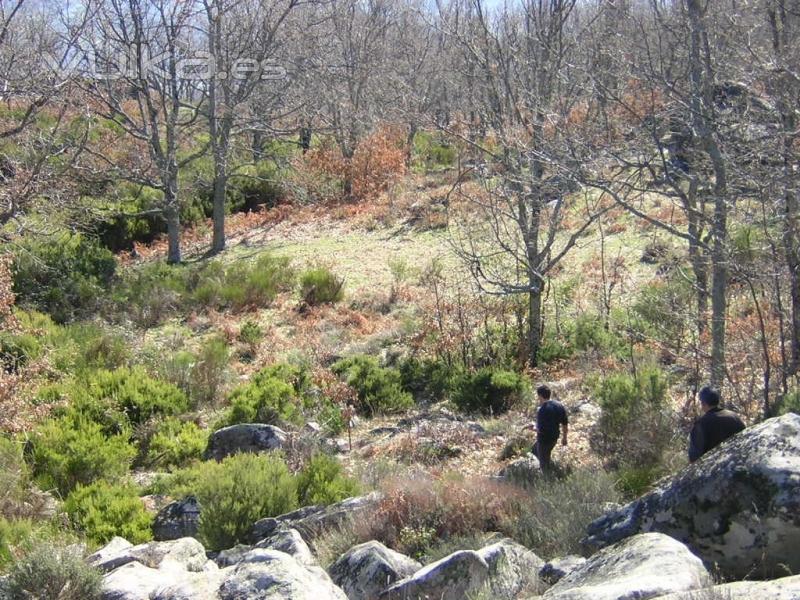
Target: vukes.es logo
[{"x": 129, "y": 64}]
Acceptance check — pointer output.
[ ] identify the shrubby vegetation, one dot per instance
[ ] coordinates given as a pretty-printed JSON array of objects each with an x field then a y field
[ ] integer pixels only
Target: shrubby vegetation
[
  {"x": 320, "y": 286},
  {"x": 322, "y": 481},
  {"x": 53, "y": 570},
  {"x": 103, "y": 510},
  {"x": 66, "y": 452},
  {"x": 379, "y": 390},
  {"x": 176, "y": 443},
  {"x": 490, "y": 391}
]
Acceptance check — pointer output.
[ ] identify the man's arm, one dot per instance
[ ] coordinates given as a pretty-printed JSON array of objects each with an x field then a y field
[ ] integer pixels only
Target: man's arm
[{"x": 696, "y": 443}]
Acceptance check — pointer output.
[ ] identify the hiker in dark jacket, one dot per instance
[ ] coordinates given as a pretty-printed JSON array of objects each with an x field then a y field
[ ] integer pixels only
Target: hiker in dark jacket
[
  {"x": 550, "y": 416},
  {"x": 714, "y": 427}
]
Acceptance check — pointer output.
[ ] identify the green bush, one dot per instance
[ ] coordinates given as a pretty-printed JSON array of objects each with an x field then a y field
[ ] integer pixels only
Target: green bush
[
  {"x": 428, "y": 378},
  {"x": 634, "y": 481},
  {"x": 590, "y": 333},
  {"x": 790, "y": 403},
  {"x": 135, "y": 393},
  {"x": 13, "y": 478},
  {"x": 256, "y": 285},
  {"x": 66, "y": 452},
  {"x": 321, "y": 481},
  {"x": 103, "y": 510},
  {"x": 65, "y": 277},
  {"x": 16, "y": 350},
  {"x": 635, "y": 419},
  {"x": 379, "y": 389},
  {"x": 210, "y": 371},
  {"x": 53, "y": 571},
  {"x": 265, "y": 399},
  {"x": 15, "y": 535},
  {"x": 250, "y": 333},
  {"x": 176, "y": 443},
  {"x": 320, "y": 286},
  {"x": 490, "y": 391},
  {"x": 239, "y": 491}
]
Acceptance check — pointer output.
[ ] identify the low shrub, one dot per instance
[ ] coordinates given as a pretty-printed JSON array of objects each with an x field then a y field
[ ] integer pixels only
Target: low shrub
[
  {"x": 257, "y": 284},
  {"x": 322, "y": 481},
  {"x": 635, "y": 481},
  {"x": 65, "y": 453},
  {"x": 790, "y": 403},
  {"x": 265, "y": 399},
  {"x": 209, "y": 371},
  {"x": 65, "y": 277},
  {"x": 138, "y": 395},
  {"x": 53, "y": 571},
  {"x": 379, "y": 390},
  {"x": 103, "y": 510},
  {"x": 428, "y": 379},
  {"x": 176, "y": 443},
  {"x": 13, "y": 476},
  {"x": 635, "y": 422},
  {"x": 320, "y": 286},
  {"x": 237, "y": 492},
  {"x": 17, "y": 350},
  {"x": 552, "y": 518},
  {"x": 490, "y": 391},
  {"x": 250, "y": 333}
]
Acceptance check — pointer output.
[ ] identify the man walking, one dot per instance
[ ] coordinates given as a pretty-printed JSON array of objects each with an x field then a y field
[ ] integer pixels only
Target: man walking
[
  {"x": 714, "y": 427},
  {"x": 550, "y": 416}
]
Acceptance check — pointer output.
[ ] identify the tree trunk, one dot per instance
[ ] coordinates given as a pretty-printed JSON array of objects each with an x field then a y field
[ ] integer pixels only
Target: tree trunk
[
  {"x": 412, "y": 133},
  {"x": 534, "y": 322},
  {"x": 173, "y": 218},
  {"x": 220, "y": 189}
]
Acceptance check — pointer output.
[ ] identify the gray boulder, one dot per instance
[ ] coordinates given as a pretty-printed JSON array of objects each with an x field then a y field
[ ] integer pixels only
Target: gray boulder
[
  {"x": 270, "y": 574},
  {"x": 737, "y": 507},
  {"x": 786, "y": 588},
  {"x": 310, "y": 521},
  {"x": 452, "y": 578},
  {"x": 524, "y": 471},
  {"x": 364, "y": 571},
  {"x": 186, "y": 553},
  {"x": 135, "y": 581},
  {"x": 513, "y": 569},
  {"x": 292, "y": 543},
  {"x": 641, "y": 567},
  {"x": 558, "y": 568},
  {"x": 177, "y": 520},
  {"x": 245, "y": 437}
]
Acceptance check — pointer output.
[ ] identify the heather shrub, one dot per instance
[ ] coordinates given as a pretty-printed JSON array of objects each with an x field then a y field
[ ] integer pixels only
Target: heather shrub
[
  {"x": 17, "y": 350},
  {"x": 103, "y": 510},
  {"x": 265, "y": 399},
  {"x": 635, "y": 423},
  {"x": 320, "y": 286},
  {"x": 256, "y": 284},
  {"x": 789, "y": 403},
  {"x": 428, "y": 379},
  {"x": 65, "y": 277},
  {"x": 53, "y": 571},
  {"x": 552, "y": 519},
  {"x": 67, "y": 452},
  {"x": 321, "y": 481},
  {"x": 490, "y": 391},
  {"x": 378, "y": 389},
  {"x": 176, "y": 443},
  {"x": 209, "y": 371},
  {"x": 237, "y": 492}
]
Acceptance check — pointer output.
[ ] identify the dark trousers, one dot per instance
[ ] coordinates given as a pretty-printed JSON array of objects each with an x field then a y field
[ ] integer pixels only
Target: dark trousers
[{"x": 543, "y": 449}]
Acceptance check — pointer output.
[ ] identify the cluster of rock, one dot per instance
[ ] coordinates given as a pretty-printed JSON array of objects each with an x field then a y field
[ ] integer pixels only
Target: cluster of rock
[{"x": 736, "y": 511}]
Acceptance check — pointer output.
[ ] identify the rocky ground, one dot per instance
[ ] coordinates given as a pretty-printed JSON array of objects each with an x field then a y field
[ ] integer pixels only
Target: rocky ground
[{"x": 731, "y": 516}]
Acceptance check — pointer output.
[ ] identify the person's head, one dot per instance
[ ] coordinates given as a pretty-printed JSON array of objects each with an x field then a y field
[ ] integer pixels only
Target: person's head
[
  {"x": 543, "y": 393},
  {"x": 709, "y": 398}
]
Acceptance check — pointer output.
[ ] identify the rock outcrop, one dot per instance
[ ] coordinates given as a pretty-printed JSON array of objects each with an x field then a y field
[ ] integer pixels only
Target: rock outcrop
[
  {"x": 312, "y": 520},
  {"x": 177, "y": 520},
  {"x": 555, "y": 570},
  {"x": 366, "y": 570},
  {"x": 524, "y": 471},
  {"x": 179, "y": 570},
  {"x": 513, "y": 569},
  {"x": 786, "y": 588},
  {"x": 738, "y": 507},
  {"x": 641, "y": 567},
  {"x": 245, "y": 437},
  {"x": 452, "y": 578}
]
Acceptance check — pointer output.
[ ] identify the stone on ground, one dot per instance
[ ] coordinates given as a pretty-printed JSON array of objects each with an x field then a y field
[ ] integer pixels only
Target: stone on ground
[
  {"x": 641, "y": 567},
  {"x": 177, "y": 520},
  {"x": 786, "y": 588},
  {"x": 245, "y": 437},
  {"x": 738, "y": 507},
  {"x": 452, "y": 578},
  {"x": 366, "y": 570}
]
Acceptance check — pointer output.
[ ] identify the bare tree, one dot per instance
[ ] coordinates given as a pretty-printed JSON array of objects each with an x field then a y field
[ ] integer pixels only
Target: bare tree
[{"x": 148, "y": 93}]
